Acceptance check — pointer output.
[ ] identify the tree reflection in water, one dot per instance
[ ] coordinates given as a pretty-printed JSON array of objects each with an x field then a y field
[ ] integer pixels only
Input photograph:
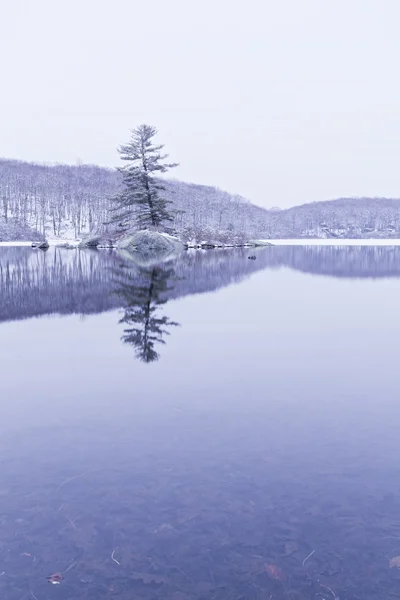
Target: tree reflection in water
[{"x": 143, "y": 293}]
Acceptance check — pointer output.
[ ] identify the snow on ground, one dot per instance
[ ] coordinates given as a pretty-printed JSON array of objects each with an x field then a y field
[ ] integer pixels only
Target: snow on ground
[
  {"x": 59, "y": 241},
  {"x": 334, "y": 242},
  {"x": 24, "y": 243},
  {"x": 170, "y": 237},
  {"x": 50, "y": 241}
]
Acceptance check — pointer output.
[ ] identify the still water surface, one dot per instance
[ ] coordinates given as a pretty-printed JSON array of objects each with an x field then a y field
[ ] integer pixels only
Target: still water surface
[{"x": 212, "y": 428}]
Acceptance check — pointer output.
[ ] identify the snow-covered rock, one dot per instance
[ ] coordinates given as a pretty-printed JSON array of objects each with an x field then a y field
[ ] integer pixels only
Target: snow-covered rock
[
  {"x": 97, "y": 241},
  {"x": 150, "y": 246},
  {"x": 43, "y": 245},
  {"x": 67, "y": 246},
  {"x": 147, "y": 241}
]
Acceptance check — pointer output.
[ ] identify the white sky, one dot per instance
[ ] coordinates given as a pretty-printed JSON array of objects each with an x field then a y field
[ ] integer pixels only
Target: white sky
[{"x": 283, "y": 101}]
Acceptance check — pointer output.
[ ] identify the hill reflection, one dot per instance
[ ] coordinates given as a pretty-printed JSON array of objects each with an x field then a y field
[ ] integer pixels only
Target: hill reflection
[{"x": 60, "y": 281}]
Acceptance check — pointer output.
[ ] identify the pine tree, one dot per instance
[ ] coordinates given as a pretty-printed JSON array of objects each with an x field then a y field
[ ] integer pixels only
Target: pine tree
[{"x": 141, "y": 198}]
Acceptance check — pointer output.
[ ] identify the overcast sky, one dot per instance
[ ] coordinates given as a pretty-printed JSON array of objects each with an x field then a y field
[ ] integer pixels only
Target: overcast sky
[{"x": 282, "y": 101}]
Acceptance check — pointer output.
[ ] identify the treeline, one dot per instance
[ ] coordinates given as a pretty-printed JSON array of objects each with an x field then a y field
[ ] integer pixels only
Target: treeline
[
  {"x": 56, "y": 199},
  {"x": 74, "y": 200},
  {"x": 341, "y": 218},
  {"x": 70, "y": 201}
]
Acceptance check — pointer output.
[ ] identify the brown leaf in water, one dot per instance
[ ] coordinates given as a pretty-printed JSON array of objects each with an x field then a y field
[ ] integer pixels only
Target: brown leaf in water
[
  {"x": 394, "y": 562},
  {"x": 55, "y": 578},
  {"x": 274, "y": 572}
]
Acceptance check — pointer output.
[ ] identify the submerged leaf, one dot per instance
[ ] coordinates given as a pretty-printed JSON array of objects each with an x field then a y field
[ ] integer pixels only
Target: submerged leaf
[
  {"x": 55, "y": 578},
  {"x": 274, "y": 572},
  {"x": 394, "y": 562},
  {"x": 149, "y": 578},
  {"x": 290, "y": 548}
]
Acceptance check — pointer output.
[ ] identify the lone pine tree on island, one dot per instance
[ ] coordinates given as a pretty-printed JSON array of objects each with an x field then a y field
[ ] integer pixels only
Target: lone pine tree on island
[{"x": 141, "y": 198}]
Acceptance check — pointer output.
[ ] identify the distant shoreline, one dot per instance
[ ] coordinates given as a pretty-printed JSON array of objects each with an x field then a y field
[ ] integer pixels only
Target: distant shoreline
[
  {"x": 272, "y": 242},
  {"x": 334, "y": 242}
]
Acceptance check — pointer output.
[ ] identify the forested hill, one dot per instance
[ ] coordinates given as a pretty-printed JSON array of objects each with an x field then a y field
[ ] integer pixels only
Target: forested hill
[
  {"x": 70, "y": 201},
  {"x": 342, "y": 218}
]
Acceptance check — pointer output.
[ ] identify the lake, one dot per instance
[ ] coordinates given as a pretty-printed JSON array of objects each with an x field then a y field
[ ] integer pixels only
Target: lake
[{"x": 210, "y": 428}]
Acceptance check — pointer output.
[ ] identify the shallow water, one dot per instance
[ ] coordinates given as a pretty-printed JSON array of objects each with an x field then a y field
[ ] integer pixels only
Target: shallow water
[{"x": 214, "y": 428}]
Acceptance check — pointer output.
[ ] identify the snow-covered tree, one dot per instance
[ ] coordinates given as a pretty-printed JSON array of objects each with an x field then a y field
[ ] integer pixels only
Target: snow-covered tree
[{"x": 142, "y": 198}]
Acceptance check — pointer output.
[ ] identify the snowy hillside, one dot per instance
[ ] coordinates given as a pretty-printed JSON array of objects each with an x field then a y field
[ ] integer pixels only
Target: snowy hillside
[
  {"x": 67, "y": 202},
  {"x": 64, "y": 201}
]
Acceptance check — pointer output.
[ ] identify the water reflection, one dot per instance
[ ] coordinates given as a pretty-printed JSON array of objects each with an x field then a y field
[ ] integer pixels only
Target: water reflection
[
  {"x": 142, "y": 294},
  {"x": 84, "y": 282},
  {"x": 267, "y": 469}
]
